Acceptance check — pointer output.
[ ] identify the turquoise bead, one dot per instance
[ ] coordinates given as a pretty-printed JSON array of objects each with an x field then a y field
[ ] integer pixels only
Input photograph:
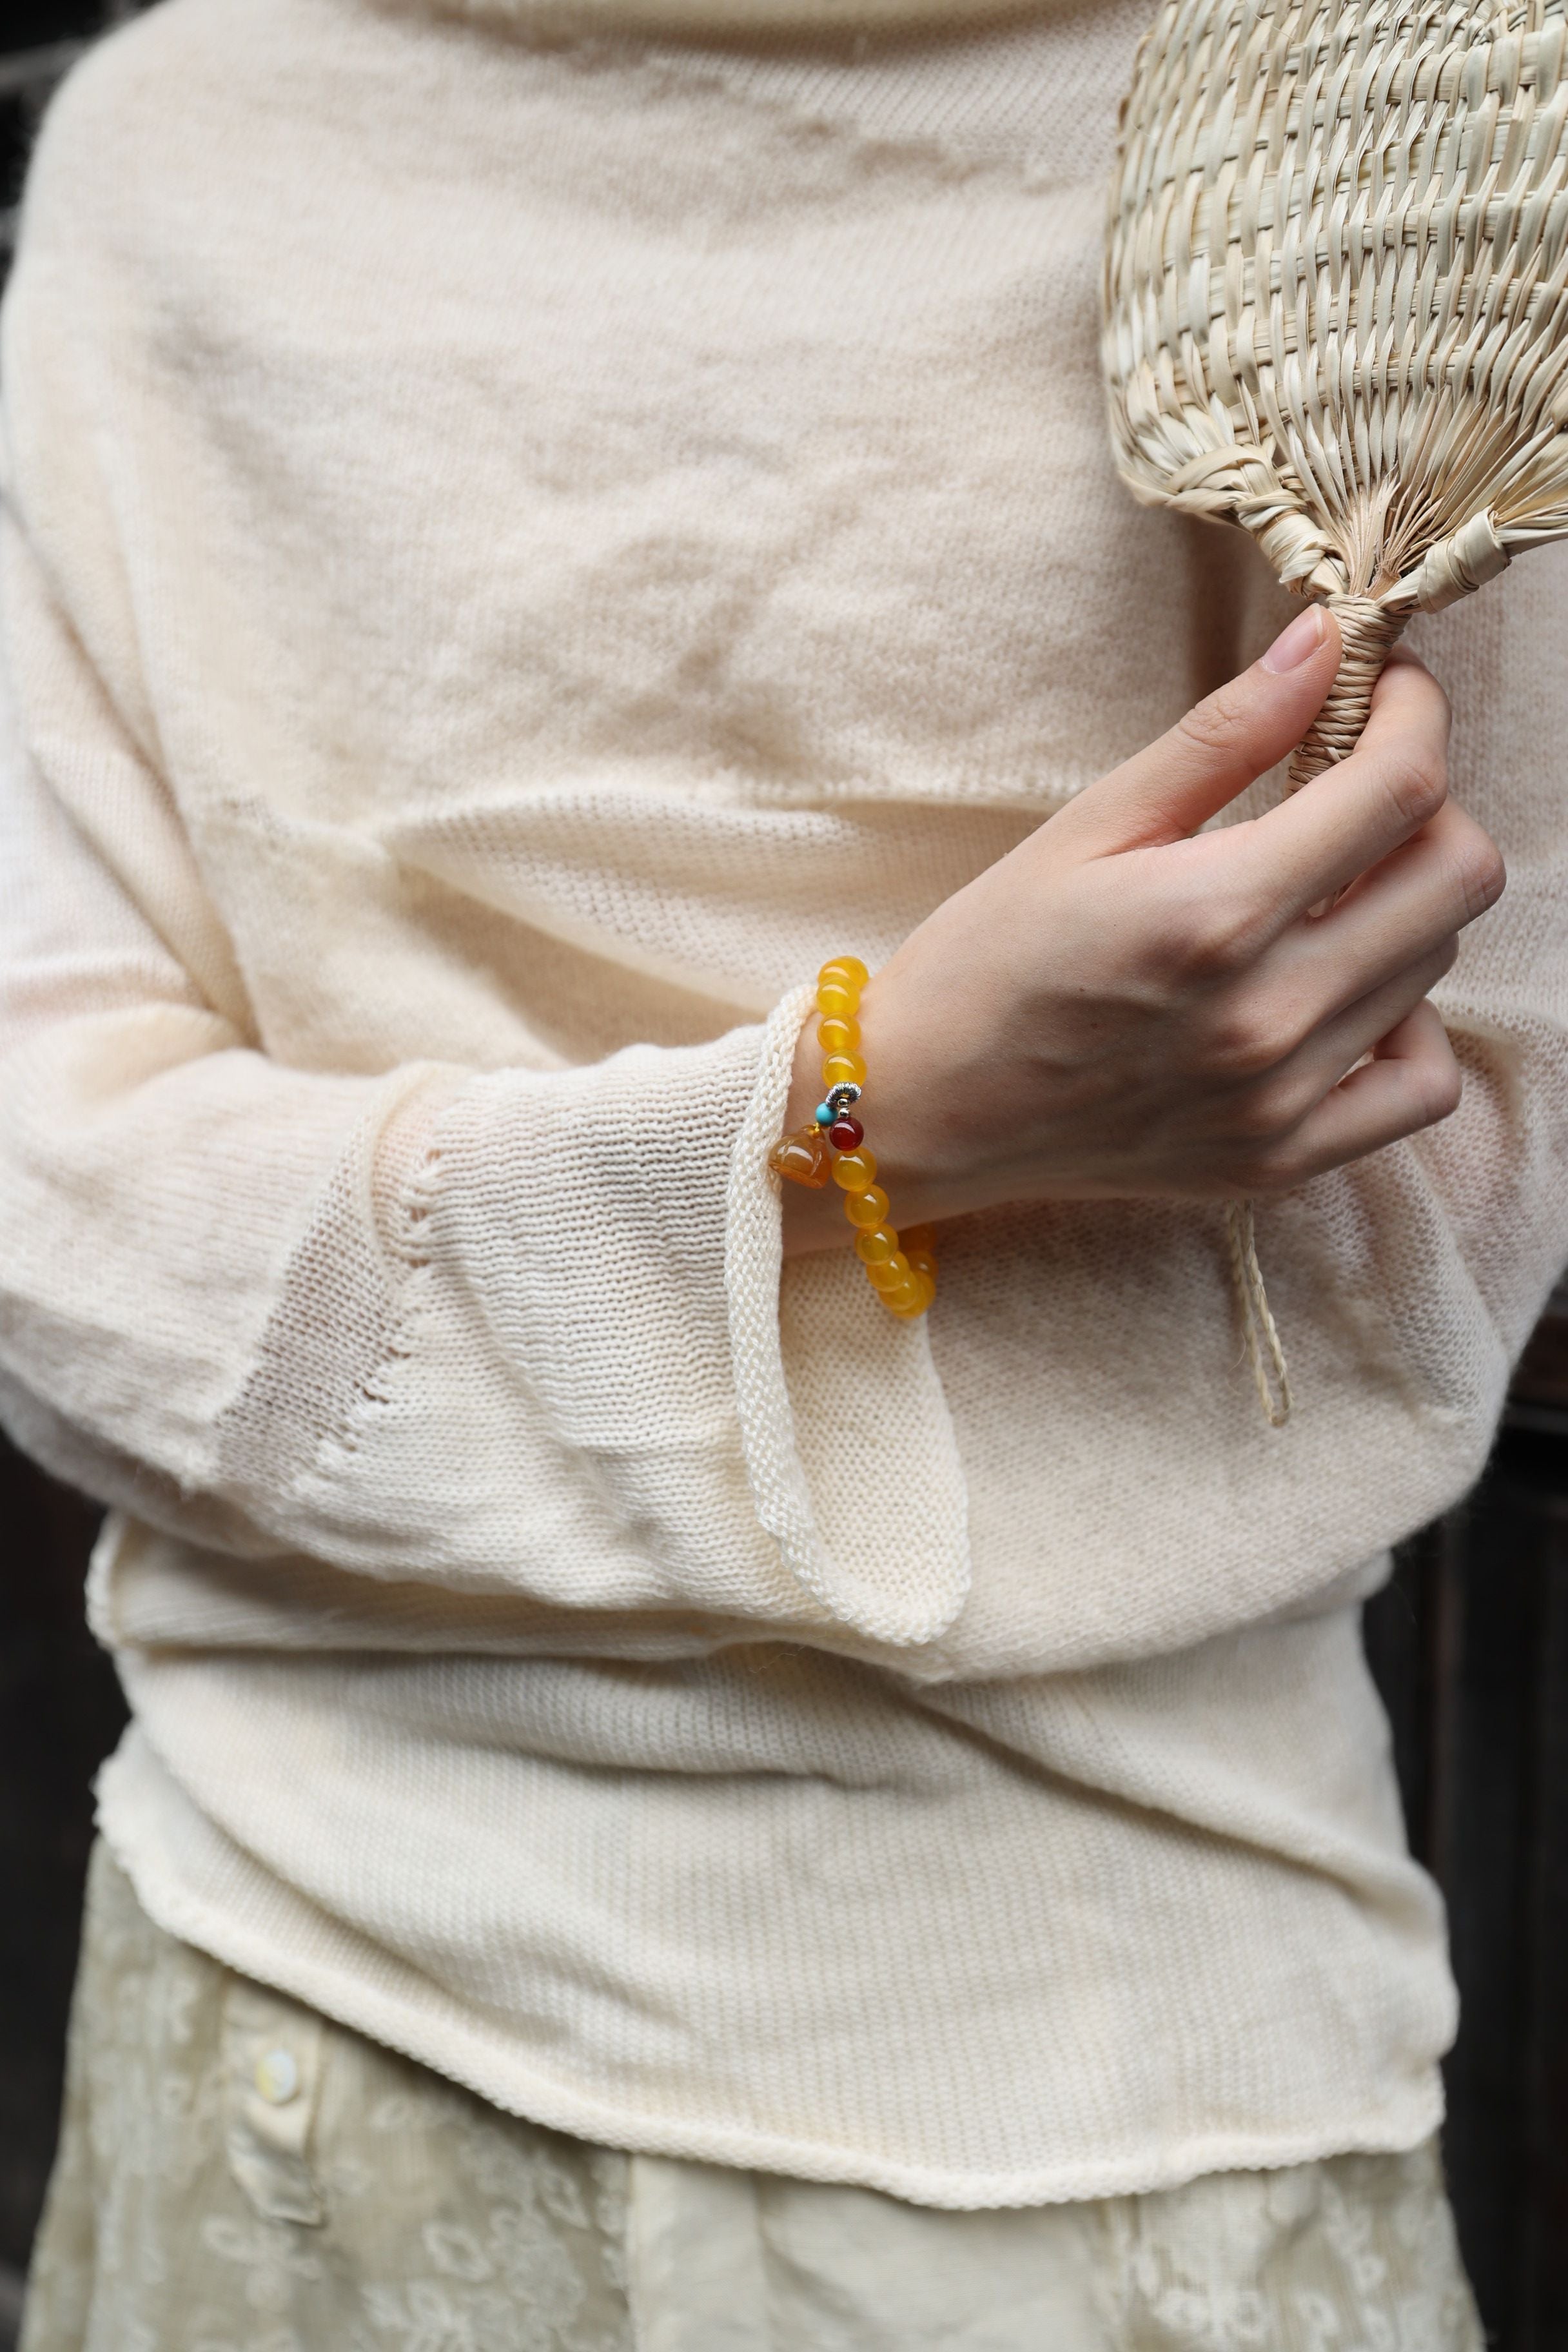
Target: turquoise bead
[{"x": 823, "y": 1114}]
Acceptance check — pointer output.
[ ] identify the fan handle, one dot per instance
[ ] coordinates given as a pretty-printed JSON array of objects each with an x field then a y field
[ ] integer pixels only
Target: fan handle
[{"x": 1369, "y": 632}]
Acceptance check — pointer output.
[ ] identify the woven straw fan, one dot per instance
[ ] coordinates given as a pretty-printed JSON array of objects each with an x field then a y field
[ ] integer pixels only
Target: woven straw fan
[{"x": 1336, "y": 313}]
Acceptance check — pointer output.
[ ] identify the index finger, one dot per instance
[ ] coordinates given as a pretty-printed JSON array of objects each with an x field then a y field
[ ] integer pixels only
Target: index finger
[
  {"x": 1350, "y": 817},
  {"x": 1165, "y": 792}
]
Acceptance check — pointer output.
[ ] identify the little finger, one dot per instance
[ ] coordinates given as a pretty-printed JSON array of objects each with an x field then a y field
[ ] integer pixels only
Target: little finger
[
  {"x": 1411, "y": 1082},
  {"x": 1336, "y": 1044}
]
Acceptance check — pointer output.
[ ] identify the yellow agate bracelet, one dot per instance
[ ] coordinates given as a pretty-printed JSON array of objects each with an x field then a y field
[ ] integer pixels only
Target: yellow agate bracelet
[{"x": 901, "y": 1269}]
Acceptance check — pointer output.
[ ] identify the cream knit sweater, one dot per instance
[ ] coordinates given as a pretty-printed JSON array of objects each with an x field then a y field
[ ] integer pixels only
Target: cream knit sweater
[{"x": 518, "y": 545}]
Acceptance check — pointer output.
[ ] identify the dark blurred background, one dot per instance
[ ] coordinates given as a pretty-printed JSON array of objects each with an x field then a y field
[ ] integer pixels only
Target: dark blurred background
[
  {"x": 1469, "y": 1644},
  {"x": 60, "y": 1709}
]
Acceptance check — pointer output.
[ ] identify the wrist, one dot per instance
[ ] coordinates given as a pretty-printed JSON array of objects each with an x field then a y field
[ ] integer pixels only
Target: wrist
[
  {"x": 814, "y": 1219},
  {"x": 897, "y": 1098},
  {"x": 898, "y": 1262}
]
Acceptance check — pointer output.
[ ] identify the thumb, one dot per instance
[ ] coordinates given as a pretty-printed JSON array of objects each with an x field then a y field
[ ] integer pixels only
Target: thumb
[{"x": 1225, "y": 743}]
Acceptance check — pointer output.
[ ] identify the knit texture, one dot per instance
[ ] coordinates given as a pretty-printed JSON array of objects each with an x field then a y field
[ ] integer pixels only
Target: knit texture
[{"x": 514, "y": 552}]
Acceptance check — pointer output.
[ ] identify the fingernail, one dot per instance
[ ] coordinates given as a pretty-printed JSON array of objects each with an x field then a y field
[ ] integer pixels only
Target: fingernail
[{"x": 1297, "y": 643}]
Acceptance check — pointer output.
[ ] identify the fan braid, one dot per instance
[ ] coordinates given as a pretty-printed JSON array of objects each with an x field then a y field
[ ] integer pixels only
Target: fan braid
[{"x": 1336, "y": 298}]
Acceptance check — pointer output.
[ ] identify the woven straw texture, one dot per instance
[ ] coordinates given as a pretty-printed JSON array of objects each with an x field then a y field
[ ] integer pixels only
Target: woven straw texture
[{"x": 1336, "y": 298}]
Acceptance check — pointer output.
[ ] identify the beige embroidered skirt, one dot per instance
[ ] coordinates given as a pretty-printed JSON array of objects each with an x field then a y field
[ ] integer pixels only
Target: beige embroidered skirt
[{"x": 237, "y": 2174}]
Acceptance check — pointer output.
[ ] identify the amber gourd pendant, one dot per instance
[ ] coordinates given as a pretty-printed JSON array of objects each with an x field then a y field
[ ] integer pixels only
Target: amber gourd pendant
[{"x": 803, "y": 1157}]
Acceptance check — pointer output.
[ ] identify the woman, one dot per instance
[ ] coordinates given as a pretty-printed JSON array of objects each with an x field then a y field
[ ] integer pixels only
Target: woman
[{"x": 666, "y": 1805}]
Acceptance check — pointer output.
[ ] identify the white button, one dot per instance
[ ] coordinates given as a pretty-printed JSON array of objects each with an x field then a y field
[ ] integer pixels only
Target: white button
[{"x": 276, "y": 2076}]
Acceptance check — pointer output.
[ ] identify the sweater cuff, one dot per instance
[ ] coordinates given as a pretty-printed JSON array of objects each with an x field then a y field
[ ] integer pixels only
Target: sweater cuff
[{"x": 845, "y": 1428}]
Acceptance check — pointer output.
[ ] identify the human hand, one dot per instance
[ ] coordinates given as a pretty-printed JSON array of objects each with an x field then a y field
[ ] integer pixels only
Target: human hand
[{"x": 1126, "y": 1006}]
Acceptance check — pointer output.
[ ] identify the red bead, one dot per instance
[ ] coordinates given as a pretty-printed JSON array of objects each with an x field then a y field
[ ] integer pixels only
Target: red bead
[{"x": 846, "y": 1134}]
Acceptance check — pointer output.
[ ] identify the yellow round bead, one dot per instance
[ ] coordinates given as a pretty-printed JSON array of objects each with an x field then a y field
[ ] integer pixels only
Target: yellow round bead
[
  {"x": 854, "y": 1171},
  {"x": 921, "y": 1237},
  {"x": 842, "y": 1070},
  {"x": 888, "y": 1273},
  {"x": 850, "y": 967},
  {"x": 836, "y": 999},
  {"x": 920, "y": 1259},
  {"x": 865, "y": 1208},
  {"x": 907, "y": 1309},
  {"x": 873, "y": 1247},
  {"x": 838, "y": 1037}
]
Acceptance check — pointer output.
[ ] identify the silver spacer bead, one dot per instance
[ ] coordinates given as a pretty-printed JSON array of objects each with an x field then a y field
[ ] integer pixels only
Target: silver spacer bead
[{"x": 842, "y": 1099}]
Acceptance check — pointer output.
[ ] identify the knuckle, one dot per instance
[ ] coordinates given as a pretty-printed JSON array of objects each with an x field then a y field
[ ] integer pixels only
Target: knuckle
[
  {"x": 1482, "y": 875},
  {"x": 1263, "y": 1117},
  {"x": 1246, "y": 1041},
  {"x": 1216, "y": 935},
  {"x": 1441, "y": 1090},
  {"x": 1417, "y": 788},
  {"x": 1213, "y": 727}
]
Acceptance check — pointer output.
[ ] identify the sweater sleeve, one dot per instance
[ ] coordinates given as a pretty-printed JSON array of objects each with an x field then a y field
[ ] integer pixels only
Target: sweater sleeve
[{"x": 503, "y": 1330}]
